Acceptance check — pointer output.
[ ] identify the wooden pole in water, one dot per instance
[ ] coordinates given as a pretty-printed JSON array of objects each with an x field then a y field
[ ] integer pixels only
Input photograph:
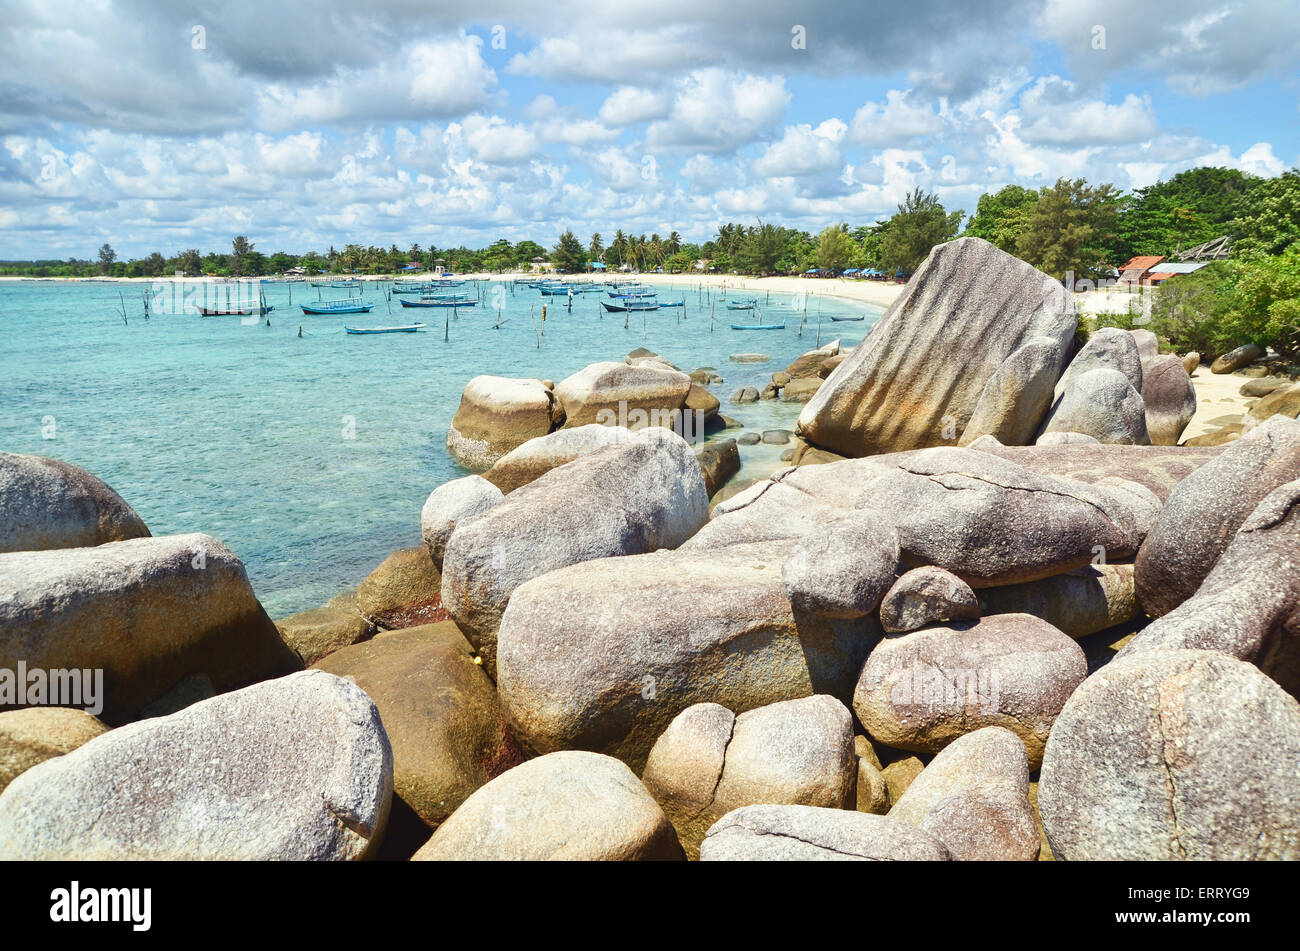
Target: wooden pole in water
[{"x": 711, "y": 306}]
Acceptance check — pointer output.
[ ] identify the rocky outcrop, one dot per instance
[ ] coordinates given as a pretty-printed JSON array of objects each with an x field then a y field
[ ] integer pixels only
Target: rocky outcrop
[
  {"x": 46, "y": 504},
  {"x": 441, "y": 715},
  {"x": 496, "y": 414},
  {"x": 1148, "y": 345},
  {"x": 1203, "y": 514},
  {"x": 1169, "y": 397},
  {"x": 1109, "y": 348},
  {"x": 812, "y": 833},
  {"x": 1018, "y": 395},
  {"x": 719, "y": 461},
  {"x": 30, "y": 737},
  {"x": 605, "y": 654},
  {"x": 1174, "y": 754},
  {"x": 922, "y": 690},
  {"x": 974, "y": 798},
  {"x": 149, "y": 612},
  {"x": 291, "y": 769},
  {"x": 539, "y": 456},
  {"x": 637, "y": 496},
  {"x": 918, "y": 377},
  {"x": 844, "y": 572},
  {"x": 569, "y": 806},
  {"x": 1281, "y": 402}
]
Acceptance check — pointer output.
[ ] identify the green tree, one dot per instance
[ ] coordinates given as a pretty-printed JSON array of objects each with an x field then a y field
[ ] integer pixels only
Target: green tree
[
  {"x": 240, "y": 246},
  {"x": 1191, "y": 208},
  {"x": 1000, "y": 216},
  {"x": 567, "y": 255},
  {"x": 106, "y": 257},
  {"x": 1070, "y": 229},
  {"x": 596, "y": 248},
  {"x": 1270, "y": 216},
  {"x": 919, "y": 224},
  {"x": 835, "y": 249}
]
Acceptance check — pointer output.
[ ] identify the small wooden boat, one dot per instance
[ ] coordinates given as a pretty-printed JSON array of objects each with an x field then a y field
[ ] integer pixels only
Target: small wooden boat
[
  {"x": 403, "y": 329},
  {"x": 780, "y": 326},
  {"x": 747, "y": 303},
  {"x": 440, "y": 302},
  {"x": 631, "y": 304},
  {"x": 235, "y": 311},
  {"x": 353, "y": 305},
  {"x": 335, "y": 283},
  {"x": 843, "y": 319}
]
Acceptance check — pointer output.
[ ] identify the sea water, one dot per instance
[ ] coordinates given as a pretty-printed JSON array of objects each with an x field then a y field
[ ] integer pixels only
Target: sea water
[{"x": 311, "y": 456}]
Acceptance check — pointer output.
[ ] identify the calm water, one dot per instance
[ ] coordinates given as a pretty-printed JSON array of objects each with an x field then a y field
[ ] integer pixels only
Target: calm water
[{"x": 311, "y": 457}]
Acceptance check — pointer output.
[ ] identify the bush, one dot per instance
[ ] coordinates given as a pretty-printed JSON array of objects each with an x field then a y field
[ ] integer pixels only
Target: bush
[{"x": 1193, "y": 311}]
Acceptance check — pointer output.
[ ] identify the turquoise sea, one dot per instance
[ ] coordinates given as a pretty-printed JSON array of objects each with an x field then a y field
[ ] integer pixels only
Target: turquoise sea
[{"x": 311, "y": 456}]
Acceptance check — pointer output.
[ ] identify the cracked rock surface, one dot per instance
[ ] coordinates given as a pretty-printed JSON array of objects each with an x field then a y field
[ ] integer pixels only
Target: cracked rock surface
[{"x": 813, "y": 833}]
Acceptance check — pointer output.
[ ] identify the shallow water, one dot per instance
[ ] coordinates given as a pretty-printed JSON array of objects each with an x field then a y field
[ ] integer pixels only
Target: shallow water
[{"x": 311, "y": 457}]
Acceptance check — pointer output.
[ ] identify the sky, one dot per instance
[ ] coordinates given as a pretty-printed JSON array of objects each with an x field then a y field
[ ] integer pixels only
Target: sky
[{"x": 158, "y": 126}]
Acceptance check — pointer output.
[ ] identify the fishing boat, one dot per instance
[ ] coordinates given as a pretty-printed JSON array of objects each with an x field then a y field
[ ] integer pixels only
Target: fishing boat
[
  {"x": 632, "y": 290},
  {"x": 440, "y": 302},
  {"x": 412, "y": 287},
  {"x": 673, "y": 303},
  {"x": 780, "y": 326},
  {"x": 746, "y": 303},
  {"x": 843, "y": 319},
  {"x": 335, "y": 283},
  {"x": 630, "y": 304},
  {"x": 403, "y": 329},
  {"x": 557, "y": 290},
  {"x": 352, "y": 305},
  {"x": 235, "y": 311}
]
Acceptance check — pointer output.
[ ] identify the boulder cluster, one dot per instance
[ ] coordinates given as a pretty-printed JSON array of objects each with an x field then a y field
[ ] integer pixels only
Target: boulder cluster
[{"x": 1004, "y": 617}]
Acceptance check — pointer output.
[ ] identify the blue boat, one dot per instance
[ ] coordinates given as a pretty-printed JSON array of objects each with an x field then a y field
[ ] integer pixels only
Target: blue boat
[
  {"x": 354, "y": 305},
  {"x": 440, "y": 302},
  {"x": 336, "y": 284},
  {"x": 746, "y": 303},
  {"x": 780, "y": 326},
  {"x": 404, "y": 329},
  {"x": 843, "y": 319},
  {"x": 630, "y": 304}
]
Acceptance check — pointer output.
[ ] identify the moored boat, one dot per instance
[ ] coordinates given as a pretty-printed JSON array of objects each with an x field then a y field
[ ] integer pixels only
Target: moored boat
[
  {"x": 353, "y": 305},
  {"x": 402, "y": 329},
  {"x": 780, "y": 326}
]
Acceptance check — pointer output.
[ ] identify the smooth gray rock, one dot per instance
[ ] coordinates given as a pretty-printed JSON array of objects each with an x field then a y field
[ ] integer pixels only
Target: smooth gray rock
[
  {"x": 1169, "y": 397},
  {"x": 812, "y": 833},
  {"x": 1079, "y": 602},
  {"x": 921, "y": 371},
  {"x": 568, "y": 806},
  {"x": 1109, "y": 348},
  {"x": 449, "y": 505},
  {"x": 619, "y": 394},
  {"x": 46, "y": 503},
  {"x": 292, "y": 769},
  {"x": 495, "y": 415},
  {"x": 541, "y": 454},
  {"x": 149, "y": 612},
  {"x": 1249, "y": 604},
  {"x": 1017, "y": 397},
  {"x": 746, "y": 394},
  {"x": 991, "y": 522},
  {"x": 1174, "y": 754},
  {"x": 844, "y": 572},
  {"x": 1203, "y": 514},
  {"x": 1236, "y": 359},
  {"x": 1148, "y": 345},
  {"x": 1103, "y": 404},
  {"x": 708, "y": 762},
  {"x": 640, "y": 495},
  {"x": 923, "y": 596},
  {"x": 974, "y": 797},
  {"x": 920, "y": 691},
  {"x": 605, "y": 654}
]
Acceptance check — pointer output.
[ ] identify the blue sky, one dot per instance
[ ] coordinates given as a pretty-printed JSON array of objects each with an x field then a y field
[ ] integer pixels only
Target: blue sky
[{"x": 161, "y": 126}]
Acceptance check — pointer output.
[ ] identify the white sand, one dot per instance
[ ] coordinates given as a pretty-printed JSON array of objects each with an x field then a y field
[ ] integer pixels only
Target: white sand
[{"x": 1216, "y": 398}]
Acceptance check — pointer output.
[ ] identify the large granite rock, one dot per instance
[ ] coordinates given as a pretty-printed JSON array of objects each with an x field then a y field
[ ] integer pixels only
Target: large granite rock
[
  {"x": 709, "y": 761},
  {"x": 29, "y": 737},
  {"x": 1281, "y": 402},
  {"x": 568, "y": 806},
  {"x": 540, "y": 455},
  {"x": 1169, "y": 397},
  {"x": 844, "y": 572},
  {"x": 719, "y": 461},
  {"x": 1079, "y": 602},
  {"x": 440, "y": 712},
  {"x": 1249, "y": 604},
  {"x": 974, "y": 797},
  {"x": 923, "y": 596},
  {"x": 1103, "y": 404},
  {"x": 403, "y": 591},
  {"x": 617, "y": 394},
  {"x": 637, "y": 496},
  {"x": 495, "y": 415},
  {"x": 992, "y": 522},
  {"x": 149, "y": 612},
  {"x": 450, "y": 504},
  {"x": 292, "y": 769},
  {"x": 917, "y": 378},
  {"x": 1109, "y": 348},
  {"x": 319, "y": 632},
  {"x": 1234, "y": 360},
  {"x": 46, "y": 503},
  {"x": 1203, "y": 514},
  {"x": 605, "y": 654},
  {"x": 922, "y": 690},
  {"x": 813, "y": 833},
  {"x": 1148, "y": 345},
  {"x": 809, "y": 364},
  {"x": 1174, "y": 754},
  {"x": 1018, "y": 395}
]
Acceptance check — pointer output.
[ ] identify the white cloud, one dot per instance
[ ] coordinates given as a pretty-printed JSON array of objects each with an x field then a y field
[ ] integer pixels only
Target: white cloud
[
  {"x": 717, "y": 110},
  {"x": 903, "y": 116},
  {"x": 628, "y": 105}
]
